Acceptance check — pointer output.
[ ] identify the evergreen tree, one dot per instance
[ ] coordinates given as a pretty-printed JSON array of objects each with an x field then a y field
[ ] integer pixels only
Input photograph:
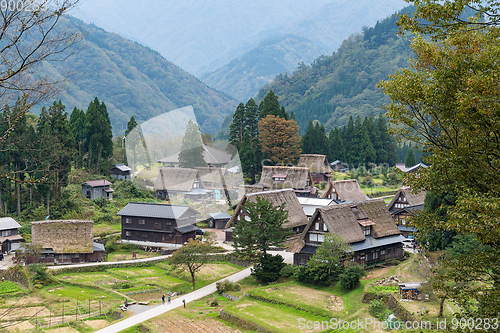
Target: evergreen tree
[
  {"x": 279, "y": 139},
  {"x": 270, "y": 106},
  {"x": 237, "y": 128},
  {"x": 131, "y": 125},
  {"x": 292, "y": 115},
  {"x": 98, "y": 137},
  {"x": 77, "y": 124},
  {"x": 410, "y": 159},
  {"x": 336, "y": 145},
  {"x": 192, "y": 150},
  {"x": 387, "y": 147},
  {"x": 247, "y": 157},
  {"x": 306, "y": 141},
  {"x": 252, "y": 120}
]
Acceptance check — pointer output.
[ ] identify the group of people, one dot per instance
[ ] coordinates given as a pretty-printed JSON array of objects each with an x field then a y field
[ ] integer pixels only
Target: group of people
[{"x": 168, "y": 299}]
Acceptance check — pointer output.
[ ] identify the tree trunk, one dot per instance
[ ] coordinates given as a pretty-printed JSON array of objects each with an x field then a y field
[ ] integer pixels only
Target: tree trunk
[
  {"x": 441, "y": 305},
  {"x": 192, "y": 277},
  {"x": 31, "y": 195},
  {"x": 18, "y": 195}
]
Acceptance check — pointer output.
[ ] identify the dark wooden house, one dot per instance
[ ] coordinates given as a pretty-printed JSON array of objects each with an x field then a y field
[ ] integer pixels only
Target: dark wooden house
[
  {"x": 367, "y": 226},
  {"x": 95, "y": 189},
  {"x": 121, "y": 171},
  {"x": 151, "y": 223},
  {"x": 66, "y": 241},
  {"x": 9, "y": 234},
  {"x": 296, "y": 178},
  {"x": 297, "y": 219},
  {"x": 319, "y": 167}
]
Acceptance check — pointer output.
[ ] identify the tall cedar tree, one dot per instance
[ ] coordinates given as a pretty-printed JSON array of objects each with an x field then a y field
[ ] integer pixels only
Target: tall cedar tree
[
  {"x": 98, "y": 137},
  {"x": 262, "y": 230},
  {"x": 77, "y": 124},
  {"x": 410, "y": 159},
  {"x": 271, "y": 106},
  {"x": 279, "y": 139},
  {"x": 191, "y": 154},
  {"x": 237, "y": 128},
  {"x": 131, "y": 125},
  {"x": 336, "y": 150}
]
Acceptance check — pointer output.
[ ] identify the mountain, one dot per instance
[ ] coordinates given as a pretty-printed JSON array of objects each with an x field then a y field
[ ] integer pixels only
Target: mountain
[
  {"x": 243, "y": 77},
  {"x": 133, "y": 80},
  {"x": 333, "y": 88},
  {"x": 202, "y": 36}
]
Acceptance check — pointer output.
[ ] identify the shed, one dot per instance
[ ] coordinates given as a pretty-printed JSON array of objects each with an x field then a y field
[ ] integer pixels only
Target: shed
[
  {"x": 409, "y": 290},
  {"x": 218, "y": 220},
  {"x": 121, "y": 171},
  {"x": 9, "y": 234},
  {"x": 95, "y": 189}
]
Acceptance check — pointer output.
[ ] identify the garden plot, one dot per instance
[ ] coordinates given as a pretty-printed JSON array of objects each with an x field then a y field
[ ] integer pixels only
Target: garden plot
[
  {"x": 181, "y": 324},
  {"x": 273, "y": 317},
  {"x": 210, "y": 272}
]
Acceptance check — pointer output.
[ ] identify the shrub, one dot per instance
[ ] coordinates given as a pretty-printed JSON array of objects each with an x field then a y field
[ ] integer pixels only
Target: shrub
[
  {"x": 351, "y": 276},
  {"x": 268, "y": 268},
  {"x": 237, "y": 287},
  {"x": 40, "y": 274},
  {"x": 224, "y": 286},
  {"x": 214, "y": 302},
  {"x": 378, "y": 310},
  {"x": 288, "y": 270}
]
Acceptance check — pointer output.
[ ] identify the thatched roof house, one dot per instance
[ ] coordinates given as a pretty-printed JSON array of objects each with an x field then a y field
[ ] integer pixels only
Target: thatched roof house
[
  {"x": 344, "y": 190},
  {"x": 297, "y": 219},
  {"x": 67, "y": 240},
  {"x": 247, "y": 189},
  {"x": 278, "y": 177},
  {"x": 318, "y": 165},
  {"x": 212, "y": 178},
  {"x": 212, "y": 156},
  {"x": 367, "y": 226},
  {"x": 175, "y": 179},
  {"x": 405, "y": 197}
]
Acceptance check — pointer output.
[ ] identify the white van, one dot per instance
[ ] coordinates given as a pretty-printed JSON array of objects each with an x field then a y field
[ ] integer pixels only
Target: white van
[{"x": 408, "y": 243}]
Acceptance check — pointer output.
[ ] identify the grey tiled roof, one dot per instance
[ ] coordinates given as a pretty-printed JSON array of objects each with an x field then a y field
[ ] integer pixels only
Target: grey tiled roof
[
  {"x": 141, "y": 209},
  {"x": 187, "y": 228}
]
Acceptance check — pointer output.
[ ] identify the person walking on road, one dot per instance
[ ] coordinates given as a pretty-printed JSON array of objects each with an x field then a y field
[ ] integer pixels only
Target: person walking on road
[
  {"x": 169, "y": 299},
  {"x": 163, "y": 299}
]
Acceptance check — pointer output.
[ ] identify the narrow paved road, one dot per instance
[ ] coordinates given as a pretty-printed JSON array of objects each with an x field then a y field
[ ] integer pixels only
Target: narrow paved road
[{"x": 197, "y": 294}]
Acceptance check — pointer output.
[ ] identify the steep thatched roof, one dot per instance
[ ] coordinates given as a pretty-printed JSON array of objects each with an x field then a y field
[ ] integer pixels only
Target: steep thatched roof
[
  {"x": 315, "y": 162},
  {"x": 412, "y": 198},
  {"x": 175, "y": 179},
  {"x": 247, "y": 189},
  {"x": 345, "y": 219},
  {"x": 295, "y": 177},
  {"x": 296, "y": 215},
  {"x": 64, "y": 236},
  {"x": 212, "y": 178},
  {"x": 348, "y": 190}
]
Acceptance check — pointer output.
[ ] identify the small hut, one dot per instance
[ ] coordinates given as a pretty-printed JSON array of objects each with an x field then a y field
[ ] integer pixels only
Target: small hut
[
  {"x": 409, "y": 290},
  {"x": 218, "y": 220}
]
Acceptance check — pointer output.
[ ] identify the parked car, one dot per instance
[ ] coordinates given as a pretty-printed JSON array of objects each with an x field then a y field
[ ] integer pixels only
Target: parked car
[{"x": 408, "y": 242}]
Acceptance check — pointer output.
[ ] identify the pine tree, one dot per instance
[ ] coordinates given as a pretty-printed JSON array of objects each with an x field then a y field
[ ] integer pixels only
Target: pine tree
[
  {"x": 98, "y": 137},
  {"x": 247, "y": 157},
  {"x": 131, "y": 125},
  {"x": 410, "y": 158},
  {"x": 336, "y": 149},
  {"x": 307, "y": 140},
  {"x": 192, "y": 150}
]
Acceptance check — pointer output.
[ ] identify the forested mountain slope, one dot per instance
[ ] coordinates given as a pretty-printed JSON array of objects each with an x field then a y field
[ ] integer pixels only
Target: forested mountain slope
[
  {"x": 335, "y": 87},
  {"x": 133, "y": 81},
  {"x": 243, "y": 77}
]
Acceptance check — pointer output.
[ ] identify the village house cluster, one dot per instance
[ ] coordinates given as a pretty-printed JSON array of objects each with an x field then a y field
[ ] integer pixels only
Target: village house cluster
[{"x": 375, "y": 231}]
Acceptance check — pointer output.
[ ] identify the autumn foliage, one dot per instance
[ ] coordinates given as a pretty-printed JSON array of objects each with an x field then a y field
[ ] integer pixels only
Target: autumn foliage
[{"x": 279, "y": 139}]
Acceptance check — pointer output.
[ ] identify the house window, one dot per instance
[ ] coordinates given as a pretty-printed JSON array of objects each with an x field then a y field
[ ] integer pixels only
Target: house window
[
  {"x": 128, "y": 220},
  {"x": 142, "y": 221},
  {"x": 128, "y": 233},
  {"x": 324, "y": 227},
  {"x": 313, "y": 237},
  {"x": 6, "y": 233},
  {"x": 158, "y": 226},
  {"x": 316, "y": 226},
  {"x": 196, "y": 185},
  {"x": 382, "y": 252},
  {"x": 367, "y": 230},
  {"x": 404, "y": 199},
  {"x": 321, "y": 238},
  {"x": 403, "y": 222},
  {"x": 144, "y": 234}
]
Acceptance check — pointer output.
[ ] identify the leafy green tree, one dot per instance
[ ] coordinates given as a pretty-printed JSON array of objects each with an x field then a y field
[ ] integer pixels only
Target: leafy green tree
[
  {"x": 191, "y": 154},
  {"x": 447, "y": 104},
  {"x": 349, "y": 279},
  {"x": 262, "y": 230},
  {"x": 268, "y": 268},
  {"x": 131, "y": 125},
  {"x": 192, "y": 256},
  {"x": 333, "y": 251}
]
